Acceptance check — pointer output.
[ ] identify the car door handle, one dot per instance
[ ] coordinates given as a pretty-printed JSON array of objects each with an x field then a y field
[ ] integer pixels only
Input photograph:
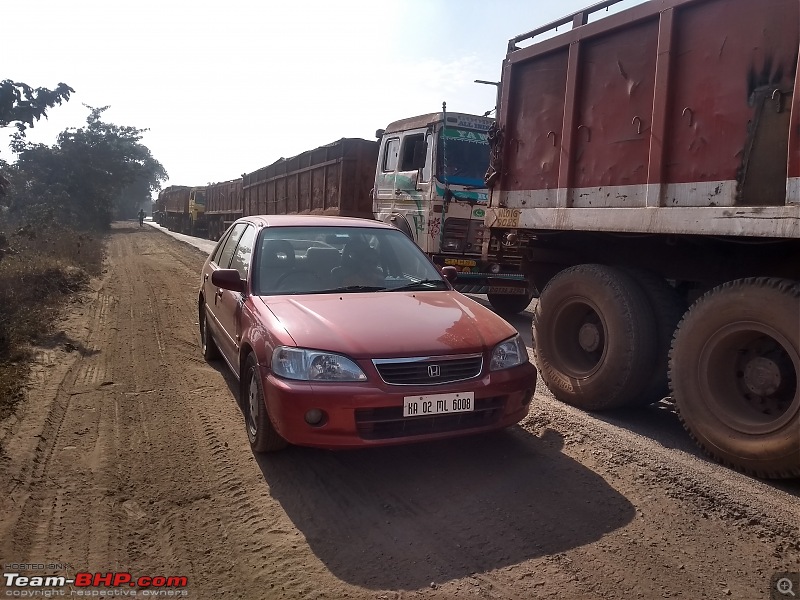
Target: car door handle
[{"x": 219, "y": 293}]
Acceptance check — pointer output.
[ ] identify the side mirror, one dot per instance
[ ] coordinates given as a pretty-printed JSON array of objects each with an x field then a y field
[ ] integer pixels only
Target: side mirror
[
  {"x": 228, "y": 279},
  {"x": 450, "y": 273}
]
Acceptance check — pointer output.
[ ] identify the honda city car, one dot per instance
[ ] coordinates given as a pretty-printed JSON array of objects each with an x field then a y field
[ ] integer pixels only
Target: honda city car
[{"x": 343, "y": 334}]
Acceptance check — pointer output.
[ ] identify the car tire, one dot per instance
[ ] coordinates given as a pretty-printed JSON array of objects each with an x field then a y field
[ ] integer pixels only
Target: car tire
[
  {"x": 668, "y": 309},
  {"x": 734, "y": 370},
  {"x": 260, "y": 432},
  {"x": 594, "y": 337},
  {"x": 207, "y": 343}
]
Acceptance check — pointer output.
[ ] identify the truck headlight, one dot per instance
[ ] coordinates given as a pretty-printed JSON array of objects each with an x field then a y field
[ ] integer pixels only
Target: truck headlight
[
  {"x": 509, "y": 354},
  {"x": 314, "y": 365}
]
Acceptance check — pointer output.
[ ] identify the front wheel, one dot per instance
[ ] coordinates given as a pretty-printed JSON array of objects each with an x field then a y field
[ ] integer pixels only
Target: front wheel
[
  {"x": 734, "y": 367},
  {"x": 260, "y": 432},
  {"x": 207, "y": 343}
]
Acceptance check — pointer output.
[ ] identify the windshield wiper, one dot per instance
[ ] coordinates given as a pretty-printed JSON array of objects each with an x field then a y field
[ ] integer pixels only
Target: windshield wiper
[{"x": 422, "y": 283}]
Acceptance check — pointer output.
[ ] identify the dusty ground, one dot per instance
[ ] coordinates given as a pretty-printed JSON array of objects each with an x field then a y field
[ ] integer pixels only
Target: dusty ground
[{"x": 129, "y": 454}]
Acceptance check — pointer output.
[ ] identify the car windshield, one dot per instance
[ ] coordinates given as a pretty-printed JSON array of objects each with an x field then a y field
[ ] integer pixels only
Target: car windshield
[{"x": 319, "y": 260}]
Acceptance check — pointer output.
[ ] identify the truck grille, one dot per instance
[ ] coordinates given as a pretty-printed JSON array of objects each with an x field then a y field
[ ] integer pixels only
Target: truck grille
[
  {"x": 389, "y": 422},
  {"x": 432, "y": 370}
]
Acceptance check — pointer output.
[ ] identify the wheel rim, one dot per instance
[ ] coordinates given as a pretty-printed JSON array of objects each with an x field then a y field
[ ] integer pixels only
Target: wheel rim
[
  {"x": 579, "y": 337},
  {"x": 749, "y": 372},
  {"x": 253, "y": 407}
]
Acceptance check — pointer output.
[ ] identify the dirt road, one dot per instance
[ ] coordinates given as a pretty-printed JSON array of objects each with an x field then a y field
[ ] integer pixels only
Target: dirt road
[{"x": 130, "y": 455}]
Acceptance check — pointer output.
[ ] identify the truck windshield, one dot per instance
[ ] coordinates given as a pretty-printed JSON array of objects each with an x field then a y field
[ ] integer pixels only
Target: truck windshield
[{"x": 463, "y": 156}]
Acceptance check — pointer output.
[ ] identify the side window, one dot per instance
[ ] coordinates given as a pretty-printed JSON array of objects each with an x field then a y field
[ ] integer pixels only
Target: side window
[
  {"x": 227, "y": 250},
  {"x": 220, "y": 247},
  {"x": 391, "y": 153},
  {"x": 244, "y": 250},
  {"x": 413, "y": 154}
]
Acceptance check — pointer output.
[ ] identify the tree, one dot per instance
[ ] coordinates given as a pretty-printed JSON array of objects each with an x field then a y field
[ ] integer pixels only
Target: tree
[
  {"x": 21, "y": 105},
  {"x": 86, "y": 174}
]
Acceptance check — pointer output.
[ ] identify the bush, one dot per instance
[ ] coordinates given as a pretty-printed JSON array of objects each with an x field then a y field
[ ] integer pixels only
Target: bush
[{"x": 40, "y": 266}]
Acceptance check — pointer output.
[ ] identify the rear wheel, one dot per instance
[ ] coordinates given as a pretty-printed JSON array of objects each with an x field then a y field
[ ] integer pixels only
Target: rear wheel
[
  {"x": 734, "y": 369},
  {"x": 594, "y": 337},
  {"x": 668, "y": 308},
  {"x": 260, "y": 432},
  {"x": 209, "y": 346},
  {"x": 510, "y": 304}
]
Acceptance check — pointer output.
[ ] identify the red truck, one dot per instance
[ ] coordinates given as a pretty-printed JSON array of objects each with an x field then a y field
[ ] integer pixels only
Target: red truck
[{"x": 647, "y": 165}]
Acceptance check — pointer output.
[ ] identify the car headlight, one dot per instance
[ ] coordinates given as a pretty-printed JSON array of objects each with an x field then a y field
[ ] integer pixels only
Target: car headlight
[
  {"x": 313, "y": 365},
  {"x": 509, "y": 354}
]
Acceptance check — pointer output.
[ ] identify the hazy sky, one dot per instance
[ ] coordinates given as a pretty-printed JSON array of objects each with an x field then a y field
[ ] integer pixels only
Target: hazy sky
[{"x": 227, "y": 87}]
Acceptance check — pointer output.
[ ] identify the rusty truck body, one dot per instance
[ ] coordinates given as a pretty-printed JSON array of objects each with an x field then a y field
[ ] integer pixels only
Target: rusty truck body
[
  {"x": 223, "y": 206},
  {"x": 647, "y": 166},
  {"x": 334, "y": 179}
]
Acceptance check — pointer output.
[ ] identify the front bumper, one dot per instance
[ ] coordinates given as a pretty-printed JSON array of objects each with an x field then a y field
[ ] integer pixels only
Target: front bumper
[{"x": 369, "y": 414}]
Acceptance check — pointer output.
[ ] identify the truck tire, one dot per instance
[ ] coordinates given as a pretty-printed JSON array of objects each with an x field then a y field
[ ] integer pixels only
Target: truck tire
[
  {"x": 734, "y": 368},
  {"x": 510, "y": 304},
  {"x": 668, "y": 308},
  {"x": 594, "y": 337}
]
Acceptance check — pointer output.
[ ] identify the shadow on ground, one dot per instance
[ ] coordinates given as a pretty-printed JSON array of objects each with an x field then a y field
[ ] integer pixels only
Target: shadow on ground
[{"x": 406, "y": 516}]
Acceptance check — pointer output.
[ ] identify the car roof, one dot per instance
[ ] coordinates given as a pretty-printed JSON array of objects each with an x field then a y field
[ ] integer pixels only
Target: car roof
[{"x": 313, "y": 221}]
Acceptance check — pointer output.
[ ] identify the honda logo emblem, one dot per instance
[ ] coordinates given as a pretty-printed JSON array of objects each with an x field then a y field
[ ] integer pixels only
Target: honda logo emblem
[{"x": 434, "y": 371}]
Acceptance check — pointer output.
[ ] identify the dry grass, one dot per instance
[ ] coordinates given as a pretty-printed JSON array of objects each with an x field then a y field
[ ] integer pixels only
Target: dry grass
[{"x": 39, "y": 269}]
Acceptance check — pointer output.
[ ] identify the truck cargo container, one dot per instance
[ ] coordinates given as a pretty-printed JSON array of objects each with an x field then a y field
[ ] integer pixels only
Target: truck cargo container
[
  {"x": 335, "y": 179},
  {"x": 647, "y": 166},
  {"x": 223, "y": 206}
]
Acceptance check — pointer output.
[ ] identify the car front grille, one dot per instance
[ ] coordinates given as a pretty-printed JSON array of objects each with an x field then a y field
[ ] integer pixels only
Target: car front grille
[
  {"x": 432, "y": 370},
  {"x": 389, "y": 423}
]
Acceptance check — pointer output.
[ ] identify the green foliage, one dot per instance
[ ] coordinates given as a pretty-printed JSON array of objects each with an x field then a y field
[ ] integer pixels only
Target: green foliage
[
  {"x": 90, "y": 175},
  {"x": 21, "y": 105}
]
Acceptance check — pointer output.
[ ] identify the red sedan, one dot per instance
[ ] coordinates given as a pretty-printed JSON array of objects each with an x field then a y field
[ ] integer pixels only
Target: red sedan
[{"x": 343, "y": 334}]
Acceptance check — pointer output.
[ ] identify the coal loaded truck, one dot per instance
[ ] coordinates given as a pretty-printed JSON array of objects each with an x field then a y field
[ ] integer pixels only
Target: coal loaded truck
[
  {"x": 423, "y": 174},
  {"x": 646, "y": 166}
]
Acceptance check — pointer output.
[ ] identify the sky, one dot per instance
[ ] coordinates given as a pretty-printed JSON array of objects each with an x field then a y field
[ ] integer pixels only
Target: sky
[{"x": 229, "y": 86}]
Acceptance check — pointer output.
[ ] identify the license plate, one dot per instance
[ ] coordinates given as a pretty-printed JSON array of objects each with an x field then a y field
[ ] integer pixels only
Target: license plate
[
  {"x": 517, "y": 291},
  {"x": 438, "y": 404}
]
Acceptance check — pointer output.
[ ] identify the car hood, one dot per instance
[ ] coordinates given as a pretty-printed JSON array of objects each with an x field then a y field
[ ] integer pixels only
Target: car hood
[{"x": 389, "y": 324}]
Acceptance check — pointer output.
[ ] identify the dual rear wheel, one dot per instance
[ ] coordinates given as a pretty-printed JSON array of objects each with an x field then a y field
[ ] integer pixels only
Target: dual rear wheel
[{"x": 603, "y": 338}]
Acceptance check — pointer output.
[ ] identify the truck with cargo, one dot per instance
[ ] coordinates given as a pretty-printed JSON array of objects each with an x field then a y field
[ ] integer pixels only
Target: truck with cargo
[
  {"x": 647, "y": 166},
  {"x": 181, "y": 208},
  {"x": 424, "y": 176}
]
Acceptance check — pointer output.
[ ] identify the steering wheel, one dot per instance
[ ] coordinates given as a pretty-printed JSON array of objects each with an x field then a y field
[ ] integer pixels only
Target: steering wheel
[{"x": 302, "y": 274}]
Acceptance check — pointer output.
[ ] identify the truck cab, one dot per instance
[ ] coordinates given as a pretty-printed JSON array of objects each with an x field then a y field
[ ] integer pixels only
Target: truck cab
[
  {"x": 197, "y": 209},
  {"x": 429, "y": 183}
]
